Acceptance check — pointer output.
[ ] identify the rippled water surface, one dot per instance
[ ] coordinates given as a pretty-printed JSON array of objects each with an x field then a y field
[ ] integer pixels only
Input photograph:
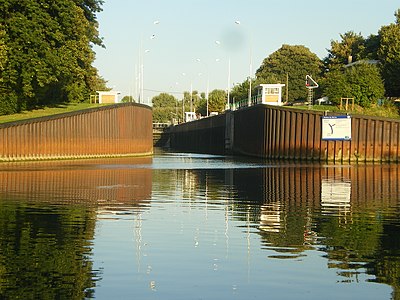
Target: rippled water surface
[{"x": 188, "y": 226}]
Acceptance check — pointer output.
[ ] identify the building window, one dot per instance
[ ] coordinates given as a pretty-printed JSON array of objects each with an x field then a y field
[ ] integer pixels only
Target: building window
[{"x": 272, "y": 91}]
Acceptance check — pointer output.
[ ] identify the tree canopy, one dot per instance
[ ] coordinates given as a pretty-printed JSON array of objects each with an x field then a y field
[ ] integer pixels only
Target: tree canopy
[
  {"x": 126, "y": 99},
  {"x": 217, "y": 101},
  {"x": 46, "y": 51},
  {"x": 384, "y": 47},
  {"x": 342, "y": 52},
  {"x": 165, "y": 108},
  {"x": 361, "y": 82},
  {"x": 293, "y": 61},
  {"x": 389, "y": 56},
  {"x": 164, "y": 100}
]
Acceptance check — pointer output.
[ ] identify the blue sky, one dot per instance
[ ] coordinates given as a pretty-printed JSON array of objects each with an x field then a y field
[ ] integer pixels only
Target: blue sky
[{"x": 187, "y": 31}]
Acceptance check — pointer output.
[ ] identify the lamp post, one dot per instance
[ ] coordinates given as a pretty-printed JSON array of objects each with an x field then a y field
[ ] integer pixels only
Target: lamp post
[
  {"x": 192, "y": 109},
  {"x": 191, "y": 93},
  {"x": 141, "y": 73},
  {"x": 218, "y": 43},
  {"x": 237, "y": 22},
  {"x": 208, "y": 81},
  {"x": 141, "y": 65}
]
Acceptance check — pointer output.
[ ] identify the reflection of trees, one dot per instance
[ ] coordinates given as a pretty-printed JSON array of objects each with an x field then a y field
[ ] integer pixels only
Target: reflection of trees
[
  {"x": 355, "y": 225},
  {"x": 48, "y": 213},
  {"x": 45, "y": 251},
  {"x": 387, "y": 265},
  {"x": 346, "y": 212},
  {"x": 351, "y": 246}
]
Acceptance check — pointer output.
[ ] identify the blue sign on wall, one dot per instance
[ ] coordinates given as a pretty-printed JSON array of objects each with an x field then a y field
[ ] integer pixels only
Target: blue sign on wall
[{"x": 336, "y": 128}]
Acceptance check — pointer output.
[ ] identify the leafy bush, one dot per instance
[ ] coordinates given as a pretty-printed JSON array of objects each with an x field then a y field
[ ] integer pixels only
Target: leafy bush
[{"x": 362, "y": 82}]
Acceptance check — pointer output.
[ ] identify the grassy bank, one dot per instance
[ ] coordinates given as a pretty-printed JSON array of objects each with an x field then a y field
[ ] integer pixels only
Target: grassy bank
[
  {"x": 48, "y": 111},
  {"x": 386, "y": 111}
]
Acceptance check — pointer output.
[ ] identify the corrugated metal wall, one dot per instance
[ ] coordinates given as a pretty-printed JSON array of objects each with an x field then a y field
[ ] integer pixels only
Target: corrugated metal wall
[
  {"x": 292, "y": 134},
  {"x": 202, "y": 136},
  {"x": 284, "y": 133},
  {"x": 115, "y": 130}
]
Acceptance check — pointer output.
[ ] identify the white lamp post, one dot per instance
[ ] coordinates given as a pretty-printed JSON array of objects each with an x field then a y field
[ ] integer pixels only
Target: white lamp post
[
  {"x": 229, "y": 78},
  {"x": 250, "y": 64},
  {"x": 141, "y": 65},
  {"x": 208, "y": 81}
]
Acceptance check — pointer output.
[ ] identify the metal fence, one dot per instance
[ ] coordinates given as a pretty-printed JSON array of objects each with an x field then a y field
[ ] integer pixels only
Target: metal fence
[{"x": 114, "y": 130}]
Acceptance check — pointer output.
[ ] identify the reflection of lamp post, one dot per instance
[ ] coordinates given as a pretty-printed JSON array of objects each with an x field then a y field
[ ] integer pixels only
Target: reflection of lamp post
[{"x": 208, "y": 81}]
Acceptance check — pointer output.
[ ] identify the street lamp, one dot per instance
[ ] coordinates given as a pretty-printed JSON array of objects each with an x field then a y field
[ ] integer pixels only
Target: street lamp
[
  {"x": 141, "y": 74},
  {"x": 141, "y": 65},
  {"x": 218, "y": 43},
  {"x": 208, "y": 80},
  {"x": 250, "y": 64},
  {"x": 191, "y": 93}
]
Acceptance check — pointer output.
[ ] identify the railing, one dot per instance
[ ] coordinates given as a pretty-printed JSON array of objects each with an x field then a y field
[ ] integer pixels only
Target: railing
[
  {"x": 161, "y": 126},
  {"x": 257, "y": 99}
]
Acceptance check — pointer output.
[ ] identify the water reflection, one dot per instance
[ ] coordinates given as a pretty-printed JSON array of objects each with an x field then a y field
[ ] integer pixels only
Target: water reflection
[
  {"x": 348, "y": 213},
  {"x": 96, "y": 182},
  {"x": 47, "y": 223},
  {"x": 179, "y": 225}
]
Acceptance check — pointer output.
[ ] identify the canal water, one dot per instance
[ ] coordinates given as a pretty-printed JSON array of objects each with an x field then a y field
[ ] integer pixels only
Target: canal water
[{"x": 189, "y": 226}]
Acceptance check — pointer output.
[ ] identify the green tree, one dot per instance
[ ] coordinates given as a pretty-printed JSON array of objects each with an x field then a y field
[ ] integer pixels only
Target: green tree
[
  {"x": 241, "y": 91},
  {"x": 165, "y": 108},
  {"x": 217, "y": 101},
  {"x": 335, "y": 86},
  {"x": 350, "y": 48},
  {"x": 371, "y": 47},
  {"x": 164, "y": 100},
  {"x": 293, "y": 61},
  {"x": 362, "y": 82},
  {"x": 49, "y": 54},
  {"x": 389, "y": 56},
  {"x": 126, "y": 99},
  {"x": 3, "y": 50},
  {"x": 193, "y": 100},
  {"x": 202, "y": 107}
]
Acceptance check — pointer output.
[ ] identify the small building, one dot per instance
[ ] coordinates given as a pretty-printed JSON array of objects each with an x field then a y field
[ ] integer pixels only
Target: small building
[
  {"x": 107, "y": 97},
  {"x": 190, "y": 116},
  {"x": 270, "y": 93}
]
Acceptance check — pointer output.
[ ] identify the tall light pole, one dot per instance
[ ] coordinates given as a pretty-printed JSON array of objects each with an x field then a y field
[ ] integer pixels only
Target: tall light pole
[
  {"x": 191, "y": 97},
  {"x": 218, "y": 43},
  {"x": 141, "y": 65},
  {"x": 250, "y": 64},
  {"x": 208, "y": 81},
  {"x": 229, "y": 83}
]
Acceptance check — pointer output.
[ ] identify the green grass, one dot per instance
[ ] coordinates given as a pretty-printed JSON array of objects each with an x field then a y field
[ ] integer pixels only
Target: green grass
[
  {"x": 386, "y": 111},
  {"x": 48, "y": 111},
  {"x": 389, "y": 111}
]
